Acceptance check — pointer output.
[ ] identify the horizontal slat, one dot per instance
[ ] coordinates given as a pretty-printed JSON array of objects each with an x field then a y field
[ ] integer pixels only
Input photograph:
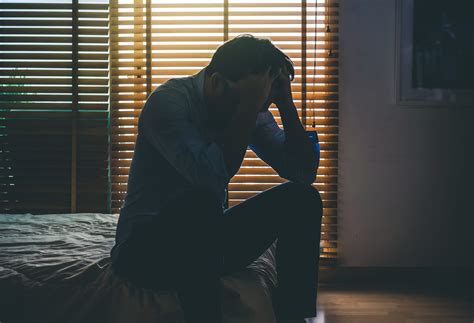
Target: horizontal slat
[
  {"x": 52, "y": 97},
  {"x": 52, "y": 79},
  {"x": 248, "y": 186},
  {"x": 54, "y": 64},
  {"x": 52, "y": 14},
  {"x": 128, "y": 154},
  {"x": 137, "y": 55},
  {"x": 117, "y": 138},
  {"x": 47, "y": 48},
  {"x": 208, "y": 45},
  {"x": 54, "y": 56},
  {"x": 52, "y": 6},
  {"x": 319, "y": 113},
  {"x": 52, "y": 89},
  {"x": 44, "y": 30},
  {"x": 262, "y": 28},
  {"x": 53, "y": 22},
  {"x": 53, "y": 106},
  {"x": 218, "y": 11},
  {"x": 258, "y": 163},
  {"x": 121, "y": 186},
  {"x": 136, "y": 77},
  {"x": 233, "y": 21},
  {"x": 296, "y": 96},
  {"x": 172, "y": 4},
  {"x": 202, "y": 5},
  {"x": 25, "y": 38},
  {"x": 47, "y": 72}
]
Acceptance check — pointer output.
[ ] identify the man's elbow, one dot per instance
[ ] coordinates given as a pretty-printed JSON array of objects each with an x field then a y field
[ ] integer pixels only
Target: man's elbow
[{"x": 308, "y": 177}]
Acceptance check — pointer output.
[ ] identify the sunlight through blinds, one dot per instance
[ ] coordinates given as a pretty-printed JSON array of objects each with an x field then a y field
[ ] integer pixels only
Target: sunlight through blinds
[
  {"x": 315, "y": 78},
  {"x": 152, "y": 41}
]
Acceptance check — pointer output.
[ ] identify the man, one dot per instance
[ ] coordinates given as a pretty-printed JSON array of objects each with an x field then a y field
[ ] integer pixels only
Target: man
[{"x": 193, "y": 132}]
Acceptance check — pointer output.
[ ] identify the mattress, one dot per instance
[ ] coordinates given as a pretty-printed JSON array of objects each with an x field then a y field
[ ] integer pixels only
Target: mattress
[{"x": 56, "y": 268}]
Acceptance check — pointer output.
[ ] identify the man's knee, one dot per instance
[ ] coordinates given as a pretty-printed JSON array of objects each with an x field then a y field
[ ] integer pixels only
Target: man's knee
[
  {"x": 306, "y": 198},
  {"x": 304, "y": 194}
]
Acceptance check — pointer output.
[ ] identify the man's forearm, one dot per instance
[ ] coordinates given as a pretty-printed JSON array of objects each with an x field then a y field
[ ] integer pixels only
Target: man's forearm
[
  {"x": 236, "y": 137},
  {"x": 297, "y": 141}
]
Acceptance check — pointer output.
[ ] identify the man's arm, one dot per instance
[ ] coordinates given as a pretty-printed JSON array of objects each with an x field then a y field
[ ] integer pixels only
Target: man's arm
[
  {"x": 270, "y": 143},
  {"x": 234, "y": 140},
  {"x": 236, "y": 136},
  {"x": 165, "y": 124},
  {"x": 298, "y": 145},
  {"x": 290, "y": 151}
]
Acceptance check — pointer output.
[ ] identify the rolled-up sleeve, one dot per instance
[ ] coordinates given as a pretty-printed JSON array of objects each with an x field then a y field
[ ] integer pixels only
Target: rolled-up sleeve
[
  {"x": 165, "y": 123},
  {"x": 268, "y": 142}
]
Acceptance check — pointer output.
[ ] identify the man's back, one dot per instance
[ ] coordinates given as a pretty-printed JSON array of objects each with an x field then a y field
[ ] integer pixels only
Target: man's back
[
  {"x": 153, "y": 179},
  {"x": 176, "y": 152}
]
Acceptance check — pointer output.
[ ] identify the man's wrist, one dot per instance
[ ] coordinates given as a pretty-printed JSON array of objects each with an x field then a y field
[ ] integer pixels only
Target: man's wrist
[
  {"x": 285, "y": 104},
  {"x": 287, "y": 108}
]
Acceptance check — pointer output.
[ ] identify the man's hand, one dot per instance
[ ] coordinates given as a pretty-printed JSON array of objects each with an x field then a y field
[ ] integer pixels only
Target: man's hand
[
  {"x": 255, "y": 89},
  {"x": 253, "y": 92},
  {"x": 281, "y": 90}
]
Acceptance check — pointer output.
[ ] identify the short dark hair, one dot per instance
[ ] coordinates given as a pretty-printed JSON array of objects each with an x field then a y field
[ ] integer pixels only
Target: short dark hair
[{"x": 247, "y": 54}]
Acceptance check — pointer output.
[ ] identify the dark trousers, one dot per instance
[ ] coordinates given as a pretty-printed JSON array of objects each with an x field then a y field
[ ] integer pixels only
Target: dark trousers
[{"x": 192, "y": 243}]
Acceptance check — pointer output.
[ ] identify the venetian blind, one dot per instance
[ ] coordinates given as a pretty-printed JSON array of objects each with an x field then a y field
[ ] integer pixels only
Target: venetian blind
[
  {"x": 152, "y": 41},
  {"x": 53, "y": 107}
]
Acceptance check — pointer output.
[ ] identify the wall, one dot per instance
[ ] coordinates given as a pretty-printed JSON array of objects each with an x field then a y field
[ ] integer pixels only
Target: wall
[{"x": 405, "y": 177}]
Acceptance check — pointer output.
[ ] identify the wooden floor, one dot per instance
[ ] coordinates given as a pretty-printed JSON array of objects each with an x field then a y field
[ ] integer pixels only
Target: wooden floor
[{"x": 393, "y": 304}]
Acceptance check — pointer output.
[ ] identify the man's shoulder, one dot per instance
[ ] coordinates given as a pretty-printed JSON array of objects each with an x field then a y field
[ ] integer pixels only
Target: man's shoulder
[
  {"x": 174, "y": 99},
  {"x": 179, "y": 86}
]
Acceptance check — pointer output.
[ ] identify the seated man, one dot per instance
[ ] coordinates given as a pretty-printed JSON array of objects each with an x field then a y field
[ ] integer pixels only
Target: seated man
[{"x": 174, "y": 230}]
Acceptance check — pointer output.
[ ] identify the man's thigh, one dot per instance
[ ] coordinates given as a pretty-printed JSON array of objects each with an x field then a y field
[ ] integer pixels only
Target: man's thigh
[
  {"x": 250, "y": 227},
  {"x": 169, "y": 247},
  {"x": 153, "y": 253}
]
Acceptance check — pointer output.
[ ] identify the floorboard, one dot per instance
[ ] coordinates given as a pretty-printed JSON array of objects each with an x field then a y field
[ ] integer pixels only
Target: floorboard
[{"x": 393, "y": 304}]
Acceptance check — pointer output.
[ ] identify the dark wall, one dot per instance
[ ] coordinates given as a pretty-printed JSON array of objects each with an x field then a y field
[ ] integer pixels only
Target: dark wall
[{"x": 406, "y": 185}]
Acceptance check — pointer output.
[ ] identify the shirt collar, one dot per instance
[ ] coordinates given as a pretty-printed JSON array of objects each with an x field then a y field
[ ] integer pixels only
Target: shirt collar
[
  {"x": 198, "y": 80},
  {"x": 198, "y": 85}
]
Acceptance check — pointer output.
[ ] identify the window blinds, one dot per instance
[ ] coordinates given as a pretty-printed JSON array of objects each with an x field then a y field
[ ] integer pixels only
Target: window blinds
[
  {"x": 53, "y": 107},
  {"x": 299, "y": 28},
  {"x": 152, "y": 41}
]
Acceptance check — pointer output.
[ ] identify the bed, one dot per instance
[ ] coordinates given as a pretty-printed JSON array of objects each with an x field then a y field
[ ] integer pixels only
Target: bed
[{"x": 56, "y": 268}]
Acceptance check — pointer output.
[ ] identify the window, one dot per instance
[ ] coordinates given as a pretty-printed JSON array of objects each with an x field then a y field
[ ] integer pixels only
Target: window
[
  {"x": 75, "y": 75},
  {"x": 53, "y": 107},
  {"x": 152, "y": 41}
]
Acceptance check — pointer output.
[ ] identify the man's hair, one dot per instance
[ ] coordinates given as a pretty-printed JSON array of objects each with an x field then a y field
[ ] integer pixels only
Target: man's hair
[{"x": 247, "y": 54}]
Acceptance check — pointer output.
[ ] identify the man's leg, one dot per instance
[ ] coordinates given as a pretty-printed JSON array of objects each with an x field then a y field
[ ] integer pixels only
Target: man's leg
[
  {"x": 179, "y": 250},
  {"x": 292, "y": 213}
]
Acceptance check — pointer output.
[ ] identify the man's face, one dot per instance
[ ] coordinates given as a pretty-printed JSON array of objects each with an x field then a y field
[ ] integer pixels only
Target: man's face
[
  {"x": 234, "y": 98},
  {"x": 273, "y": 93},
  {"x": 278, "y": 88},
  {"x": 229, "y": 99}
]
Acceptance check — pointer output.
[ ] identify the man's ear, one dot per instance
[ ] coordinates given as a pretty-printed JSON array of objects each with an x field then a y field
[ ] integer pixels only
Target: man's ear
[{"x": 218, "y": 84}]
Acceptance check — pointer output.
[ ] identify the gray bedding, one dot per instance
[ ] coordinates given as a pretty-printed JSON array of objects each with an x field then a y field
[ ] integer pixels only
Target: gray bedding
[{"x": 56, "y": 268}]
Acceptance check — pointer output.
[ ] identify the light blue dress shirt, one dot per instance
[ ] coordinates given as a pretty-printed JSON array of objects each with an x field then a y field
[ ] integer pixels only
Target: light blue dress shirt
[{"x": 174, "y": 151}]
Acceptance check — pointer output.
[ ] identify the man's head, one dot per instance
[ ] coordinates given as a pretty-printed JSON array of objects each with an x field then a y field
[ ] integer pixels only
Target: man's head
[
  {"x": 245, "y": 55},
  {"x": 237, "y": 59}
]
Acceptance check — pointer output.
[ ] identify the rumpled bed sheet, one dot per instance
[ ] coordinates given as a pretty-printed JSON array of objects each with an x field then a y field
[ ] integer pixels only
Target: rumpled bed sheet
[{"x": 56, "y": 268}]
